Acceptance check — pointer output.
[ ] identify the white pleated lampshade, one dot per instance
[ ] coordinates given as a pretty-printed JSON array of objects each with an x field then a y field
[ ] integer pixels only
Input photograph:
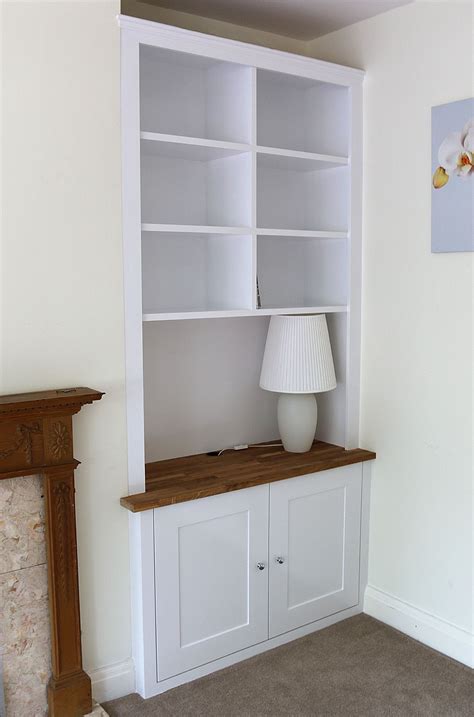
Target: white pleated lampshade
[{"x": 298, "y": 356}]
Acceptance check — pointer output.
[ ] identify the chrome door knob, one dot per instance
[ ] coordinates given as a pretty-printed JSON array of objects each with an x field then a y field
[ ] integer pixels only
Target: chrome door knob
[
  {"x": 261, "y": 566},
  {"x": 280, "y": 560}
]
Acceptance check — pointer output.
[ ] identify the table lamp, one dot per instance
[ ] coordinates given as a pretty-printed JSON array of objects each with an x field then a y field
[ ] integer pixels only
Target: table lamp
[{"x": 297, "y": 363}]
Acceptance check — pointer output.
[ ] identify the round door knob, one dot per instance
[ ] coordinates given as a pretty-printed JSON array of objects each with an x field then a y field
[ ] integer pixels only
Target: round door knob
[
  {"x": 261, "y": 566},
  {"x": 280, "y": 560}
]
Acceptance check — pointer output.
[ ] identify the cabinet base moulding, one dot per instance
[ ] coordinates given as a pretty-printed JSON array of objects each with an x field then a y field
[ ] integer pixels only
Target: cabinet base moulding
[{"x": 234, "y": 658}]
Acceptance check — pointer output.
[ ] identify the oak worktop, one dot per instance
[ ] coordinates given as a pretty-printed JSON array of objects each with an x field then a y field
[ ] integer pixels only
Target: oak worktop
[{"x": 181, "y": 479}]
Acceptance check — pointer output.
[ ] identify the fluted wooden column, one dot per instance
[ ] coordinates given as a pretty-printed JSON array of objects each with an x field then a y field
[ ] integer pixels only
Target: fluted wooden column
[{"x": 36, "y": 437}]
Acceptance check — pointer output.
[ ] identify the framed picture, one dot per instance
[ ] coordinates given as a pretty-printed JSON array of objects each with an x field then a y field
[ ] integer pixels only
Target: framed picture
[{"x": 452, "y": 171}]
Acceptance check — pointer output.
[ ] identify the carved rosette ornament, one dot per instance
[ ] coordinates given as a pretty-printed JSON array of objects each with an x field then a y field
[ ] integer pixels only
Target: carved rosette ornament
[{"x": 60, "y": 440}]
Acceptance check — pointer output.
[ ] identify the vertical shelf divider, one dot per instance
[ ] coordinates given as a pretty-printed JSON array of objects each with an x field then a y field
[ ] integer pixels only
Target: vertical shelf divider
[{"x": 254, "y": 187}]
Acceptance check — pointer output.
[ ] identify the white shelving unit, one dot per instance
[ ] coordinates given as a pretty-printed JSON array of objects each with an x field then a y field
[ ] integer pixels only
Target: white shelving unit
[
  {"x": 230, "y": 150},
  {"x": 241, "y": 166}
]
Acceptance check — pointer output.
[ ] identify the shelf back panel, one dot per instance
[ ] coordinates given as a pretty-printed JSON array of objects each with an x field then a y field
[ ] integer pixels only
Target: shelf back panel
[
  {"x": 201, "y": 386},
  {"x": 194, "y": 96}
]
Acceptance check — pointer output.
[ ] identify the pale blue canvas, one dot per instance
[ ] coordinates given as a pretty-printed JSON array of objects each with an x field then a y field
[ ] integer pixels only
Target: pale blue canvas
[{"x": 452, "y": 206}]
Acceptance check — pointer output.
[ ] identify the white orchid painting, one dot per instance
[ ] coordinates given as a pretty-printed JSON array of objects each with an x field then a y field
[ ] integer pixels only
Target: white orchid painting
[{"x": 452, "y": 203}]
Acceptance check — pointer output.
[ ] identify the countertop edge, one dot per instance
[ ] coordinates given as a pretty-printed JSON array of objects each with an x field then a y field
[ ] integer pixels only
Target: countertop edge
[{"x": 149, "y": 500}]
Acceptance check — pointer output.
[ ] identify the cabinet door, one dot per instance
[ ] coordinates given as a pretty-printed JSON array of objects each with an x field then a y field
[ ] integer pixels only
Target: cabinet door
[
  {"x": 211, "y": 597},
  {"x": 314, "y": 547}
]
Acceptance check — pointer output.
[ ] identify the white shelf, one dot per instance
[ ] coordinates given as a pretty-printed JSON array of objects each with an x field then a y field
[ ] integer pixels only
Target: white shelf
[
  {"x": 210, "y": 229},
  {"x": 179, "y": 316},
  {"x": 298, "y": 161},
  {"x": 309, "y": 234},
  {"x": 193, "y": 148},
  {"x": 194, "y": 229}
]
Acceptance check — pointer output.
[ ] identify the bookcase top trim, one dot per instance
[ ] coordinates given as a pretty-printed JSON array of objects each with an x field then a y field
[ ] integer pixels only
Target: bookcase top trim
[{"x": 190, "y": 41}]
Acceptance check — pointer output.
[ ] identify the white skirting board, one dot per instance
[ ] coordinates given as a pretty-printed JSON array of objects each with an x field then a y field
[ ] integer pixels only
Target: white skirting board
[
  {"x": 422, "y": 626},
  {"x": 113, "y": 681},
  {"x": 118, "y": 680}
]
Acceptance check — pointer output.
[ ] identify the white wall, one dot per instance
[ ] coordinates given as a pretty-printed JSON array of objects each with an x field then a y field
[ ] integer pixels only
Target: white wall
[
  {"x": 61, "y": 272},
  {"x": 417, "y": 408}
]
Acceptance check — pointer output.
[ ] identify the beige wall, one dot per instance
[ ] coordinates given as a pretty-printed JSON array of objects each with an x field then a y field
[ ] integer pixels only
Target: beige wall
[
  {"x": 417, "y": 311},
  {"x": 61, "y": 270},
  {"x": 61, "y": 300}
]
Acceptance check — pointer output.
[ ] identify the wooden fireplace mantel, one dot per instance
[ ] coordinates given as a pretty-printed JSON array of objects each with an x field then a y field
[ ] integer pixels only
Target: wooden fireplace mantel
[{"x": 36, "y": 437}]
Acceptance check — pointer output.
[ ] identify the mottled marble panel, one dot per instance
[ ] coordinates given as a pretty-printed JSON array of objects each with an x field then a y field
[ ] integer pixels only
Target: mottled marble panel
[
  {"x": 24, "y": 611},
  {"x": 24, "y": 614},
  {"x": 22, "y": 542}
]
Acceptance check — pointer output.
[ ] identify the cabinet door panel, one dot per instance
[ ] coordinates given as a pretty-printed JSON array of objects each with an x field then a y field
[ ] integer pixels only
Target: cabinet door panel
[
  {"x": 211, "y": 599},
  {"x": 315, "y": 530}
]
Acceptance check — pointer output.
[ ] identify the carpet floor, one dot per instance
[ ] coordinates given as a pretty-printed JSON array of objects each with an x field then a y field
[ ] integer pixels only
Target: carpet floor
[{"x": 356, "y": 668}]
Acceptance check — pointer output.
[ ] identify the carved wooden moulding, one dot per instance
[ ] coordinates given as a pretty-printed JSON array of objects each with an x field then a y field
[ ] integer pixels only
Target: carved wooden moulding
[{"x": 36, "y": 438}]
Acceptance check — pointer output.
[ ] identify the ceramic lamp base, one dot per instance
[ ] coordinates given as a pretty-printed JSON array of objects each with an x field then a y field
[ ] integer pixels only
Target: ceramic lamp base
[{"x": 297, "y": 421}]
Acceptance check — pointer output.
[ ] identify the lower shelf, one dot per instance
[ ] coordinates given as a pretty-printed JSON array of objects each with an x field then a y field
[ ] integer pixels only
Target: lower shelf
[{"x": 229, "y": 313}]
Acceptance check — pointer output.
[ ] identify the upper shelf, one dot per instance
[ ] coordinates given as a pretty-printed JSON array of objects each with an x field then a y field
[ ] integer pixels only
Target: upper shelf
[
  {"x": 232, "y": 313},
  {"x": 202, "y": 149},
  {"x": 193, "y": 148},
  {"x": 303, "y": 233},
  {"x": 299, "y": 161},
  {"x": 194, "y": 229}
]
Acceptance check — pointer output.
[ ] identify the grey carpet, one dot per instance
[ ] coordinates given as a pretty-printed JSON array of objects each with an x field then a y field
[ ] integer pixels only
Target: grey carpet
[{"x": 357, "y": 668}]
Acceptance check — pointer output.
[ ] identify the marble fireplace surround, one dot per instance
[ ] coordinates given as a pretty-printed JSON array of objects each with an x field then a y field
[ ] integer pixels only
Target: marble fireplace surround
[{"x": 39, "y": 598}]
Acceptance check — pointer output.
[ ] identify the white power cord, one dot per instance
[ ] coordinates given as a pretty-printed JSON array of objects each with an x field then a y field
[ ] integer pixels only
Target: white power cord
[{"x": 244, "y": 446}]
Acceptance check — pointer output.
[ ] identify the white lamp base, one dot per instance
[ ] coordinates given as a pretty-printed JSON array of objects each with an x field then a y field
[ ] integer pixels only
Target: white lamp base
[{"x": 297, "y": 421}]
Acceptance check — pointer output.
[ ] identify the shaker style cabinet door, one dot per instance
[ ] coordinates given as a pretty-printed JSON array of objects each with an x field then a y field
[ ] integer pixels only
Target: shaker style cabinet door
[
  {"x": 314, "y": 547},
  {"x": 211, "y": 578}
]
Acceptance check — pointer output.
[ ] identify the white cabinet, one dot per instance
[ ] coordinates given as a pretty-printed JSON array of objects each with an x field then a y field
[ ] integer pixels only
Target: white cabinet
[
  {"x": 211, "y": 578},
  {"x": 237, "y": 569},
  {"x": 314, "y": 547}
]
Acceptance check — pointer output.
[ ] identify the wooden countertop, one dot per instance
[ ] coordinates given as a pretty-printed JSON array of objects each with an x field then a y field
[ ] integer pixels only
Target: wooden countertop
[{"x": 181, "y": 479}]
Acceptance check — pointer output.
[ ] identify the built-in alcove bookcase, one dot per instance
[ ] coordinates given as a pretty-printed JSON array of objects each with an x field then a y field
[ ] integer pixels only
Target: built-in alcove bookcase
[{"x": 242, "y": 199}]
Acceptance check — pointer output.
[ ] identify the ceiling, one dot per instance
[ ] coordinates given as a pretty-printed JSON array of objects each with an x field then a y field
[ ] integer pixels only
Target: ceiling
[{"x": 300, "y": 19}]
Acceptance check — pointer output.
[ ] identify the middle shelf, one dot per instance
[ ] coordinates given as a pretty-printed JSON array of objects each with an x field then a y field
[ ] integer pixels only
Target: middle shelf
[
  {"x": 197, "y": 274},
  {"x": 196, "y": 182}
]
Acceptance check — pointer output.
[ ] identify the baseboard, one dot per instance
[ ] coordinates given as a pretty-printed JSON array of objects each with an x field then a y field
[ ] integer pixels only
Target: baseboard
[
  {"x": 422, "y": 626},
  {"x": 113, "y": 681}
]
